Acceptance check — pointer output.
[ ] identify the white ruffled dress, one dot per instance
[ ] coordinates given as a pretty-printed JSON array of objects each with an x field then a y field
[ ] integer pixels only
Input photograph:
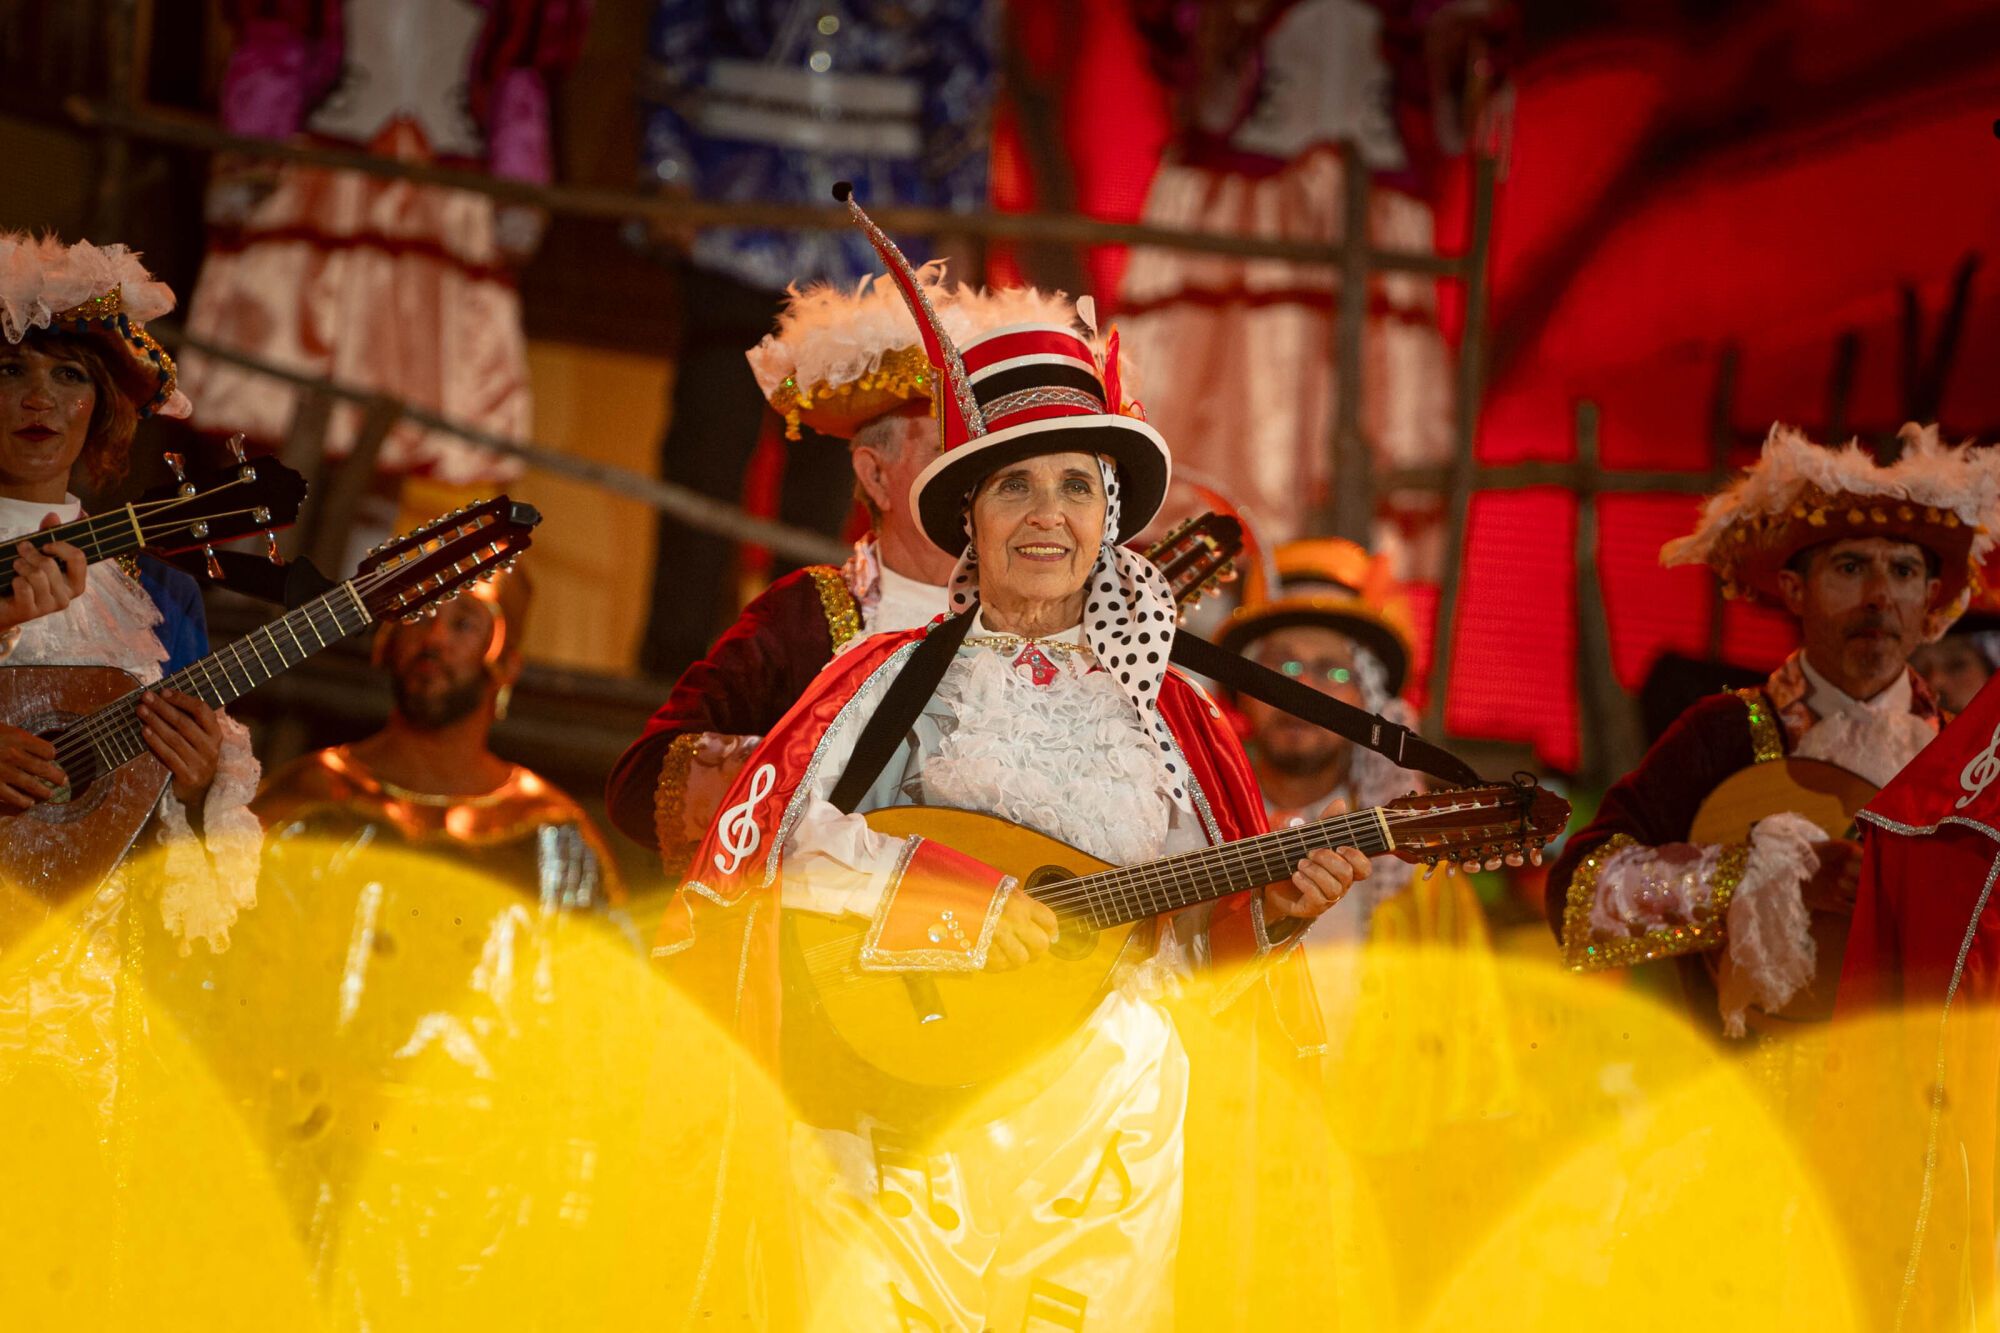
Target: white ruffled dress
[{"x": 1070, "y": 759}]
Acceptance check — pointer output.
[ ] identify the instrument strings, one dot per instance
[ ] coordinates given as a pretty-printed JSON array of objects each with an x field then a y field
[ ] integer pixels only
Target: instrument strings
[
  {"x": 1152, "y": 875},
  {"x": 102, "y": 534},
  {"x": 121, "y": 712},
  {"x": 318, "y": 613},
  {"x": 1133, "y": 884}
]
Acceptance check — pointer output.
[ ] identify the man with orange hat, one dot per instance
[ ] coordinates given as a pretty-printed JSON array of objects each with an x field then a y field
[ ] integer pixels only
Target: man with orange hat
[
  {"x": 1336, "y": 620},
  {"x": 1872, "y": 560},
  {"x": 847, "y": 365},
  {"x": 428, "y": 778}
]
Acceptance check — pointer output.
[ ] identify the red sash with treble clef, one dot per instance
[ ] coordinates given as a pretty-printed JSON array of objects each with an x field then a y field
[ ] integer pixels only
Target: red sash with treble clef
[{"x": 718, "y": 939}]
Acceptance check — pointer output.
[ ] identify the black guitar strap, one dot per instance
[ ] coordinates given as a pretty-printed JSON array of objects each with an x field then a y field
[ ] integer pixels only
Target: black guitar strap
[
  {"x": 1402, "y": 746},
  {"x": 919, "y": 678},
  {"x": 907, "y": 694}
]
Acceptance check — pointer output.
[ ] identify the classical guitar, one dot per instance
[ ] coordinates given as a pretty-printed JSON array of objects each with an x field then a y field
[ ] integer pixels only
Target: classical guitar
[
  {"x": 1829, "y": 796},
  {"x": 195, "y": 510},
  {"x": 1198, "y": 556},
  {"x": 952, "y": 1032},
  {"x": 72, "y": 840}
]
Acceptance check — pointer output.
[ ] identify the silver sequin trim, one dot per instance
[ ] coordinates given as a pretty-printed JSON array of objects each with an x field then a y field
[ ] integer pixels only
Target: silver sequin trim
[{"x": 1024, "y": 400}]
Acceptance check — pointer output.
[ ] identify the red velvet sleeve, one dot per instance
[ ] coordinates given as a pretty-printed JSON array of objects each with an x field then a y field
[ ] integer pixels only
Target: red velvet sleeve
[
  {"x": 755, "y": 671},
  {"x": 1655, "y": 804}
]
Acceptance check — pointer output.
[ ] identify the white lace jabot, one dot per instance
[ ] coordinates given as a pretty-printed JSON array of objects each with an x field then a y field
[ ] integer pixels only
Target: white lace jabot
[
  {"x": 1069, "y": 758},
  {"x": 1826, "y": 698}
]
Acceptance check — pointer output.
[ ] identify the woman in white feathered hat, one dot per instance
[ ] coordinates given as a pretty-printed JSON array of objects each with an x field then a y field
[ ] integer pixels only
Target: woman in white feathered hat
[{"x": 78, "y": 371}]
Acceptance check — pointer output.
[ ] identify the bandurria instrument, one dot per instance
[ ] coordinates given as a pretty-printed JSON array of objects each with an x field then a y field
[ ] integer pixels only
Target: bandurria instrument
[
  {"x": 947, "y": 1032},
  {"x": 1829, "y": 796},
  {"x": 73, "y": 840},
  {"x": 195, "y": 510}
]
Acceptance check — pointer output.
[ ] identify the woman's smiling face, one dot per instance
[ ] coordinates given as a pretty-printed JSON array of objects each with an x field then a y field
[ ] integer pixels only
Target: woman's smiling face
[
  {"x": 46, "y": 402},
  {"x": 1037, "y": 526}
]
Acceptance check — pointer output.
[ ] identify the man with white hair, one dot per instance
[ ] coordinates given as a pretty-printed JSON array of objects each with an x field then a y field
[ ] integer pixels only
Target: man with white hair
[{"x": 847, "y": 365}]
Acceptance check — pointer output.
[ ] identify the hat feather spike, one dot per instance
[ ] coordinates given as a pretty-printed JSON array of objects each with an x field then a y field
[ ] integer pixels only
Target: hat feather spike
[{"x": 959, "y": 418}]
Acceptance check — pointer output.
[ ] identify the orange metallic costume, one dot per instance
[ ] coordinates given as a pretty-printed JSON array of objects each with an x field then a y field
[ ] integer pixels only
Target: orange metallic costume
[{"x": 524, "y": 831}]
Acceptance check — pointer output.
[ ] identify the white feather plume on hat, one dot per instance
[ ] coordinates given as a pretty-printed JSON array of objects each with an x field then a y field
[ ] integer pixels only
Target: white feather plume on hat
[
  {"x": 858, "y": 345},
  {"x": 1944, "y": 498},
  {"x": 43, "y": 279}
]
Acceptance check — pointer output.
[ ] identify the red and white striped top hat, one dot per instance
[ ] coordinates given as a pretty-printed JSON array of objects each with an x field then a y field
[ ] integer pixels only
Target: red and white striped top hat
[{"x": 1021, "y": 392}]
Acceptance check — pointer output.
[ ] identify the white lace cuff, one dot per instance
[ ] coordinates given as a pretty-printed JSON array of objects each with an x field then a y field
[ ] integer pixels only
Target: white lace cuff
[
  {"x": 1629, "y": 903},
  {"x": 207, "y": 881},
  {"x": 1770, "y": 952}
]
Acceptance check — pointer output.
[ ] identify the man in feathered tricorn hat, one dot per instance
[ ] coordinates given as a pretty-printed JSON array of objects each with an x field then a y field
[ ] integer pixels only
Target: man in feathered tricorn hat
[
  {"x": 848, "y": 365},
  {"x": 1872, "y": 561}
]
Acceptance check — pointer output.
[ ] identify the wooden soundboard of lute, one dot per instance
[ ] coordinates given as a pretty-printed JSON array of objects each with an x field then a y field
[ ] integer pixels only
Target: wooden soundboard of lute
[{"x": 1830, "y": 797}]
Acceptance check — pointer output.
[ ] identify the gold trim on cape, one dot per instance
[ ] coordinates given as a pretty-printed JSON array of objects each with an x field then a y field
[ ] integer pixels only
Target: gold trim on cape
[{"x": 843, "y": 617}]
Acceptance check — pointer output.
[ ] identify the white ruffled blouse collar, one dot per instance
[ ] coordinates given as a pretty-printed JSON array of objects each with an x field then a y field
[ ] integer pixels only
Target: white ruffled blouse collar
[{"x": 18, "y": 518}]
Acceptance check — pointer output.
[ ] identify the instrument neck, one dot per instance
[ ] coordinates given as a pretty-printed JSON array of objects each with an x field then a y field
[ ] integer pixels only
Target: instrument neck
[
  {"x": 1126, "y": 894},
  {"x": 227, "y": 674},
  {"x": 99, "y": 537}
]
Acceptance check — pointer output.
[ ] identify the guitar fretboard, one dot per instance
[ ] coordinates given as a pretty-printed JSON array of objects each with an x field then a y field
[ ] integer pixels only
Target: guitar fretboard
[
  {"x": 113, "y": 735},
  {"x": 1134, "y": 893},
  {"x": 99, "y": 538}
]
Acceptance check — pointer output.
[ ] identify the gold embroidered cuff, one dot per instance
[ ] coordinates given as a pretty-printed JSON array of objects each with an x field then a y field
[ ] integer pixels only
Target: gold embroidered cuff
[
  {"x": 670, "y": 802},
  {"x": 1583, "y": 952}
]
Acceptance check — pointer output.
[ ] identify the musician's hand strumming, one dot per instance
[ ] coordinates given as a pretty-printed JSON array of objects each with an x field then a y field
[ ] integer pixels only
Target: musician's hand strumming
[
  {"x": 1834, "y": 886},
  {"x": 1024, "y": 932},
  {"x": 712, "y": 770},
  {"x": 45, "y": 580},
  {"x": 1320, "y": 880},
  {"x": 28, "y": 769},
  {"x": 184, "y": 734}
]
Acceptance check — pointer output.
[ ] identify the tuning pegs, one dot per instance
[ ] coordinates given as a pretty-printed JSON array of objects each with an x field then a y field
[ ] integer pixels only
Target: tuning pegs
[
  {"x": 174, "y": 462},
  {"x": 234, "y": 445},
  {"x": 271, "y": 551},
  {"x": 214, "y": 565}
]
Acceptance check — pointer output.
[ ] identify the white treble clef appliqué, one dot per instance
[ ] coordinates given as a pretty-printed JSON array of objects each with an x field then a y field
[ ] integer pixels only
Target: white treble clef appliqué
[
  {"x": 1979, "y": 774},
  {"x": 739, "y": 830}
]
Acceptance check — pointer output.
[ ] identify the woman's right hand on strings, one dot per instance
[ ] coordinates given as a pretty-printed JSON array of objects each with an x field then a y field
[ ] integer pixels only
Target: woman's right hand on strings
[
  {"x": 45, "y": 580},
  {"x": 1023, "y": 933},
  {"x": 28, "y": 771}
]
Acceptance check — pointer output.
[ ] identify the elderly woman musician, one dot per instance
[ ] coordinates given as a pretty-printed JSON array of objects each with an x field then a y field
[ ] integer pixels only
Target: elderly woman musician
[
  {"x": 1045, "y": 699},
  {"x": 77, "y": 373}
]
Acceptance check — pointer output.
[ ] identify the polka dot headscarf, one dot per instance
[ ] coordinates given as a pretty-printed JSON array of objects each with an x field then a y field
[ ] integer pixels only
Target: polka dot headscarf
[{"x": 1128, "y": 619}]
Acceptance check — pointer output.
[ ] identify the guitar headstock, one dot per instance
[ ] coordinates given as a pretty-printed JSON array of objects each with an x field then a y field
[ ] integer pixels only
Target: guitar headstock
[
  {"x": 1476, "y": 823},
  {"x": 203, "y": 506},
  {"x": 1198, "y": 555},
  {"x": 406, "y": 575}
]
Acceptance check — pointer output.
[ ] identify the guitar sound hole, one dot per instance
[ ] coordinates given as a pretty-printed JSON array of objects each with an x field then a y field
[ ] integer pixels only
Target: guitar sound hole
[
  {"x": 80, "y": 770},
  {"x": 1076, "y": 939},
  {"x": 74, "y": 801}
]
